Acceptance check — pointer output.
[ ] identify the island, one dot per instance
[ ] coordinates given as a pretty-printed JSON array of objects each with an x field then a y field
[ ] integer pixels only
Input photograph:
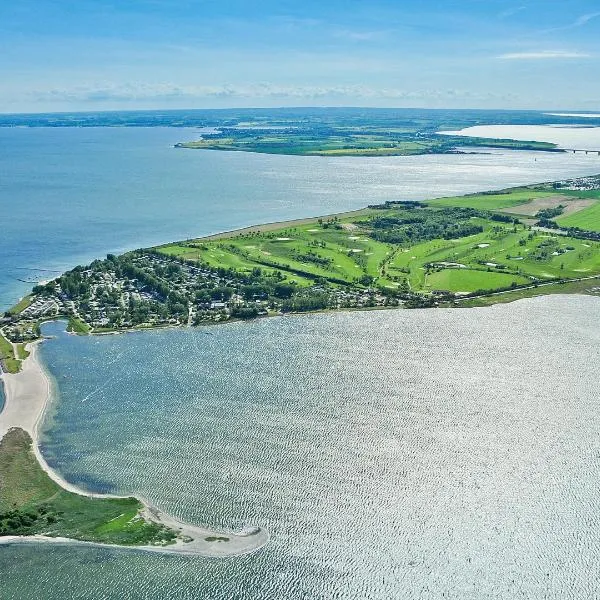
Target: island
[
  {"x": 352, "y": 135},
  {"x": 465, "y": 251},
  {"x": 355, "y": 132}
]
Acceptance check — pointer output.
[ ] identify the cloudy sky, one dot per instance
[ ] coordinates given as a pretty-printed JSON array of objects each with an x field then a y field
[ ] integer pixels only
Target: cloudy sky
[{"x": 124, "y": 54}]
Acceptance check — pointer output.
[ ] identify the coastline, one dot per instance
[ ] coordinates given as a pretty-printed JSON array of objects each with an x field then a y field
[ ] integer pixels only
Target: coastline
[{"x": 27, "y": 398}]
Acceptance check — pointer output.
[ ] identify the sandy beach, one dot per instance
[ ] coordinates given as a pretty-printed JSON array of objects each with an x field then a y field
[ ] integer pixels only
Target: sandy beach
[{"x": 27, "y": 395}]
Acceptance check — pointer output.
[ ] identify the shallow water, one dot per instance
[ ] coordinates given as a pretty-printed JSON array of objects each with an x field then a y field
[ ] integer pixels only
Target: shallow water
[
  {"x": 579, "y": 136},
  {"x": 69, "y": 195},
  {"x": 393, "y": 454}
]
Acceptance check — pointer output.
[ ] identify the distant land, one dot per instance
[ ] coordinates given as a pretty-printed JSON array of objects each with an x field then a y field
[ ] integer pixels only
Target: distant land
[
  {"x": 317, "y": 131},
  {"x": 430, "y": 119}
]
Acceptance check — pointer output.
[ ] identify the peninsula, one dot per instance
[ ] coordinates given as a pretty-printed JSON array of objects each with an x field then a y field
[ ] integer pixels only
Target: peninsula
[{"x": 464, "y": 251}]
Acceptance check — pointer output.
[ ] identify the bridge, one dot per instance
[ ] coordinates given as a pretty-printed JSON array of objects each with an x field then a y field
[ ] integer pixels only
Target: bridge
[{"x": 579, "y": 151}]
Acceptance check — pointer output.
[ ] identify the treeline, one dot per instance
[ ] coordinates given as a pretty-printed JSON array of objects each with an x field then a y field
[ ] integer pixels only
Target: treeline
[
  {"x": 550, "y": 213},
  {"x": 408, "y": 204},
  {"x": 415, "y": 226},
  {"x": 26, "y": 522},
  {"x": 576, "y": 232}
]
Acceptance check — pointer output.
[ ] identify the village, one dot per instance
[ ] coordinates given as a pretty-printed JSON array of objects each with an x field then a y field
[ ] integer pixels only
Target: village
[{"x": 144, "y": 289}]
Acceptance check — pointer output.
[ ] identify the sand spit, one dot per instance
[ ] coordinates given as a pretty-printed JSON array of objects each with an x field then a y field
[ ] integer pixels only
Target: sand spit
[{"x": 27, "y": 395}]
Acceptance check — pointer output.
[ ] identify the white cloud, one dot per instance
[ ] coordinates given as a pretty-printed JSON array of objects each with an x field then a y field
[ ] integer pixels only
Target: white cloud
[
  {"x": 543, "y": 55},
  {"x": 511, "y": 12},
  {"x": 359, "y": 36},
  {"x": 585, "y": 19},
  {"x": 579, "y": 22},
  {"x": 140, "y": 92}
]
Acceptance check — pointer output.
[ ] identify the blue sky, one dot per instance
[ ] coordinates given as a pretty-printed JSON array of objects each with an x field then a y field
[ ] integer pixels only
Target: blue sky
[{"x": 125, "y": 54}]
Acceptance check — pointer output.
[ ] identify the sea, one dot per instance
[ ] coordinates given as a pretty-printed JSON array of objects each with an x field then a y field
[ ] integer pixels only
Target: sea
[{"x": 391, "y": 454}]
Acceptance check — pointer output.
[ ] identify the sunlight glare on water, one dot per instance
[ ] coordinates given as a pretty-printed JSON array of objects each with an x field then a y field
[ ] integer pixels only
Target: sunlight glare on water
[{"x": 393, "y": 454}]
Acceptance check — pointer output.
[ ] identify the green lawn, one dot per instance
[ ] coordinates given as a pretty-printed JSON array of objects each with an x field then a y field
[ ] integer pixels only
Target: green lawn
[
  {"x": 492, "y": 201},
  {"x": 588, "y": 218},
  {"x": 503, "y": 250},
  {"x": 301, "y": 253},
  {"x": 466, "y": 280},
  {"x": 31, "y": 503},
  {"x": 76, "y": 325}
]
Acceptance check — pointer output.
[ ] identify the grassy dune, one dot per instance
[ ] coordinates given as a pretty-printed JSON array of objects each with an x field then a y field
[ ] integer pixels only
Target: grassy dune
[
  {"x": 10, "y": 362},
  {"x": 31, "y": 503}
]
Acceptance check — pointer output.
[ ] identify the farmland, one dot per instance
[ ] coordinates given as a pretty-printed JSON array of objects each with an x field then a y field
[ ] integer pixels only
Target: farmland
[{"x": 348, "y": 143}]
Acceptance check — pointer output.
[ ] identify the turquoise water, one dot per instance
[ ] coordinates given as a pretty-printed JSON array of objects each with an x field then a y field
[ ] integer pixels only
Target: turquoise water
[
  {"x": 69, "y": 195},
  {"x": 393, "y": 454}
]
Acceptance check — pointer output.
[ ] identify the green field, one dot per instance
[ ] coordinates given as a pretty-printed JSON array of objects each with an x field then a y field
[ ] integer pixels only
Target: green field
[
  {"x": 493, "y": 201},
  {"x": 589, "y": 287},
  {"x": 343, "y": 251},
  {"x": 22, "y": 353},
  {"x": 507, "y": 251},
  {"x": 21, "y": 305},
  {"x": 588, "y": 218},
  {"x": 466, "y": 280},
  {"x": 10, "y": 363},
  {"x": 31, "y": 503},
  {"x": 77, "y": 326}
]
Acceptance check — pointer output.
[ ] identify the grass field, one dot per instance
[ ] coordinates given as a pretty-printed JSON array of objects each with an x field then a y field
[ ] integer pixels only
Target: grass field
[
  {"x": 77, "y": 326},
  {"x": 588, "y": 218},
  {"x": 343, "y": 252},
  {"x": 22, "y": 353},
  {"x": 10, "y": 363},
  {"x": 20, "y": 306},
  {"x": 466, "y": 280},
  {"x": 302, "y": 253},
  {"x": 522, "y": 253},
  {"x": 496, "y": 201},
  {"x": 588, "y": 287},
  {"x": 31, "y": 503}
]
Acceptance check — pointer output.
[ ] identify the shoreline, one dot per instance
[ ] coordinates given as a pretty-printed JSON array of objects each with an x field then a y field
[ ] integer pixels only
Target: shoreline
[{"x": 27, "y": 397}]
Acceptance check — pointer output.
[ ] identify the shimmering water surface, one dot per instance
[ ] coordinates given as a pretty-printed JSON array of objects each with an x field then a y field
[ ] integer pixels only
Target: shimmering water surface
[
  {"x": 410, "y": 454},
  {"x": 394, "y": 454},
  {"x": 69, "y": 195}
]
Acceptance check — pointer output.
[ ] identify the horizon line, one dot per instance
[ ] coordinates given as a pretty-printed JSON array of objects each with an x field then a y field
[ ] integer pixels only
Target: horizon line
[{"x": 312, "y": 107}]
